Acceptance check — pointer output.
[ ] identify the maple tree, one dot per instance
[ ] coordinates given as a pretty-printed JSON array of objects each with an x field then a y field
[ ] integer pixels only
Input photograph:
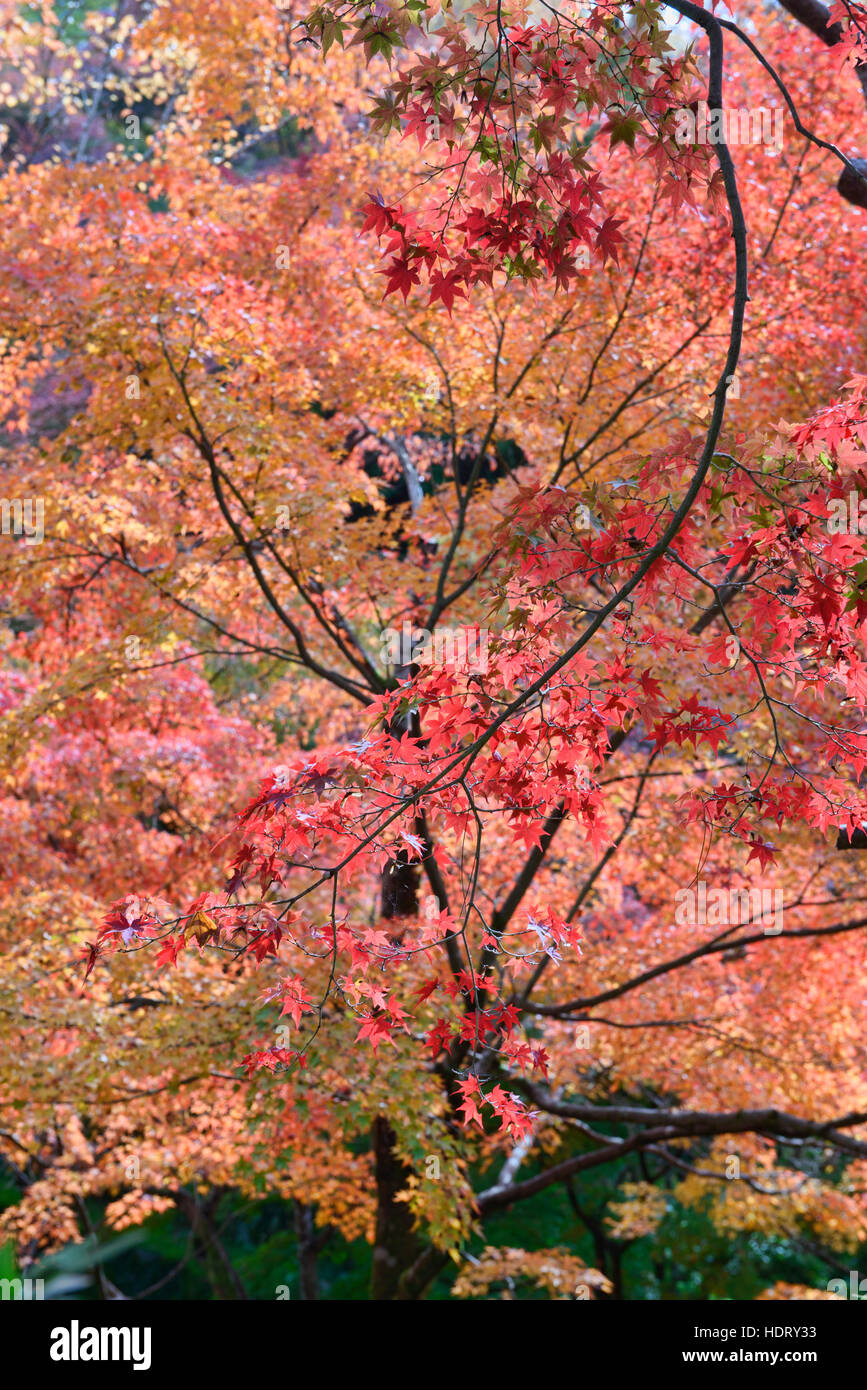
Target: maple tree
[{"x": 270, "y": 426}]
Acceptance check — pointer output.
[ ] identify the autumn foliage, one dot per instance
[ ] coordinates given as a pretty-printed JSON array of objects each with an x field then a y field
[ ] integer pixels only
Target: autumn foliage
[{"x": 433, "y": 693}]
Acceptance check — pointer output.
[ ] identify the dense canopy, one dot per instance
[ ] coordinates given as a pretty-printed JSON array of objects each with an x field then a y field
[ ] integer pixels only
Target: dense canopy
[{"x": 432, "y": 662}]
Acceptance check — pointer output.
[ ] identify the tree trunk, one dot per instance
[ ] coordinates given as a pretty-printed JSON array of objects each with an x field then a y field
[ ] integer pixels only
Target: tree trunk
[
  {"x": 222, "y": 1275},
  {"x": 308, "y": 1250},
  {"x": 396, "y": 1246}
]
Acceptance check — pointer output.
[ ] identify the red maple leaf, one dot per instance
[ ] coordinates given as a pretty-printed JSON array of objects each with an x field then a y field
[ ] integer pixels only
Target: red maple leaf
[
  {"x": 446, "y": 288},
  {"x": 400, "y": 276},
  {"x": 765, "y": 853},
  {"x": 296, "y": 1000},
  {"x": 376, "y": 1029},
  {"x": 438, "y": 1037},
  {"x": 170, "y": 951},
  {"x": 608, "y": 239},
  {"x": 90, "y": 954},
  {"x": 469, "y": 1089}
]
